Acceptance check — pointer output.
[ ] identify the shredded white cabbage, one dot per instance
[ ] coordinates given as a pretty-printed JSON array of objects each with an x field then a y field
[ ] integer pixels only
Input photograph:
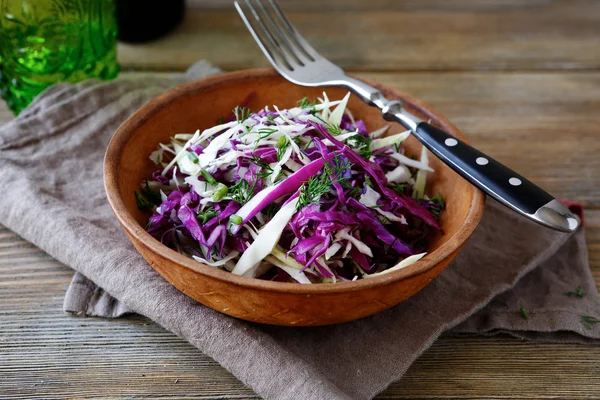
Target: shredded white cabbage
[
  {"x": 232, "y": 254},
  {"x": 410, "y": 162},
  {"x": 389, "y": 140},
  {"x": 419, "y": 189},
  {"x": 265, "y": 241},
  {"x": 402, "y": 264}
]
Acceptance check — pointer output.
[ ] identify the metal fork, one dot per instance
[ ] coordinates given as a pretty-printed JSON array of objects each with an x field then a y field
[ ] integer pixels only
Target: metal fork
[{"x": 300, "y": 63}]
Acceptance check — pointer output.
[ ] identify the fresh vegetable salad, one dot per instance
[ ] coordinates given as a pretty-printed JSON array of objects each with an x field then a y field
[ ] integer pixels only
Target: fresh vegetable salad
[{"x": 305, "y": 195}]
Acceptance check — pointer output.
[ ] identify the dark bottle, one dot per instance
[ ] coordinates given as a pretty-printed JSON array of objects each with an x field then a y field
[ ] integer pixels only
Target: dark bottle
[{"x": 145, "y": 20}]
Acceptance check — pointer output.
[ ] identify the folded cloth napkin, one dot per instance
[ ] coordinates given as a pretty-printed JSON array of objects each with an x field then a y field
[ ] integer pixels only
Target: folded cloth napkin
[{"x": 51, "y": 172}]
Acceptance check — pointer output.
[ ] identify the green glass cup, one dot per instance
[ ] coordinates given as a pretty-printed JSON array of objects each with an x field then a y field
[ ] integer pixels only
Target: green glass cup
[{"x": 47, "y": 41}]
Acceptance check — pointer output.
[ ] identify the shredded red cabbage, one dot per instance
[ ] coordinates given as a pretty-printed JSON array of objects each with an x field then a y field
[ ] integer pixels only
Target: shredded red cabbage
[{"x": 212, "y": 198}]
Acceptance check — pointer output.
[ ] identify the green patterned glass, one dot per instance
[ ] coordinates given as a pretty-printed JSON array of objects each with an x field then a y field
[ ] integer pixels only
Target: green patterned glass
[{"x": 47, "y": 41}]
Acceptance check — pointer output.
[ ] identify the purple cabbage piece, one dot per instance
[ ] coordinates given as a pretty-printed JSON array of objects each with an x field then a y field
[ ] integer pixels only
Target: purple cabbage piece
[
  {"x": 361, "y": 127},
  {"x": 322, "y": 270},
  {"x": 379, "y": 177},
  {"x": 371, "y": 223},
  {"x": 196, "y": 148},
  {"x": 329, "y": 216},
  {"x": 157, "y": 176},
  {"x": 217, "y": 236},
  {"x": 358, "y": 125},
  {"x": 360, "y": 258},
  {"x": 188, "y": 218},
  {"x": 222, "y": 216},
  {"x": 319, "y": 252},
  {"x": 307, "y": 244}
]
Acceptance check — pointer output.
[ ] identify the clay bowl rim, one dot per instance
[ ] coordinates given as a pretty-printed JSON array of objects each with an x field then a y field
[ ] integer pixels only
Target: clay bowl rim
[{"x": 137, "y": 232}]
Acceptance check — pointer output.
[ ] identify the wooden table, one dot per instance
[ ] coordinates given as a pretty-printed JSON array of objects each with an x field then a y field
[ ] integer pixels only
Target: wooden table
[{"x": 520, "y": 78}]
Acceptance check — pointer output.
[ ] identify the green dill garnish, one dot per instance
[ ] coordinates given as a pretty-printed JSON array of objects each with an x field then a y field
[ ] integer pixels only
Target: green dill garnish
[
  {"x": 236, "y": 219},
  {"x": 368, "y": 181},
  {"x": 270, "y": 210},
  {"x": 311, "y": 191},
  {"x": 266, "y": 169},
  {"x": 523, "y": 313},
  {"x": 400, "y": 188},
  {"x": 193, "y": 157},
  {"x": 318, "y": 185},
  {"x": 146, "y": 197},
  {"x": 209, "y": 178},
  {"x": 264, "y": 133},
  {"x": 578, "y": 293},
  {"x": 353, "y": 191},
  {"x": 382, "y": 219},
  {"x": 270, "y": 117},
  {"x": 142, "y": 202},
  {"x": 241, "y": 114},
  {"x": 305, "y": 103},
  {"x": 220, "y": 193},
  {"x": 361, "y": 144},
  {"x": 242, "y": 191},
  {"x": 439, "y": 202},
  {"x": 333, "y": 129},
  {"x": 588, "y": 321},
  {"x": 310, "y": 142},
  {"x": 152, "y": 195}
]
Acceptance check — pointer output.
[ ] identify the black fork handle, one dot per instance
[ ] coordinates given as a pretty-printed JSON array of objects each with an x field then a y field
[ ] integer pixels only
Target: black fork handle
[{"x": 497, "y": 180}]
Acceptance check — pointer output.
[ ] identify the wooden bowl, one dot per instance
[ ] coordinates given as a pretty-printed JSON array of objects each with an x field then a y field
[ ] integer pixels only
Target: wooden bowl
[{"x": 198, "y": 105}]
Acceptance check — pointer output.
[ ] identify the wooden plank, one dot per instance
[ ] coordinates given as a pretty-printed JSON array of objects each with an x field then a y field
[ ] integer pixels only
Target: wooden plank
[
  {"x": 394, "y": 35},
  {"x": 45, "y": 353}
]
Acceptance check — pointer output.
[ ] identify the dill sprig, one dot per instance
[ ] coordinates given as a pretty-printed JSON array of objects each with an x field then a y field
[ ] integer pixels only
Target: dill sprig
[
  {"x": 588, "y": 321},
  {"x": 524, "y": 314},
  {"x": 242, "y": 191},
  {"x": 265, "y": 167},
  {"x": 305, "y": 103},
  {"x": 400, "y": 188},
  {"x": 146, "y": 198},
  {"x": 241, "y": 114},
  {"x": 438, "y": 204},
  {"x": 353, "y": 191},
  {"x": 264, "y": 133},
  {"x": 152, "y": 195},
  {"x": 577, "y": 293},
  {"x": 318, "y": 185},
  {"x": 361, "y": 145},
  {"x": 142, "y": 202}
]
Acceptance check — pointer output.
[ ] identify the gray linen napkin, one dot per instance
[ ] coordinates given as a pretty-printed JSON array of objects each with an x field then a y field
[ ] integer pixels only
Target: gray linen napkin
[{"x": 51, "y": 176}]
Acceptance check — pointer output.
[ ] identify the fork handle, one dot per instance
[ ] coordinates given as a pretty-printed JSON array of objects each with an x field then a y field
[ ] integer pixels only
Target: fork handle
[{"x": 495, "y": 179}]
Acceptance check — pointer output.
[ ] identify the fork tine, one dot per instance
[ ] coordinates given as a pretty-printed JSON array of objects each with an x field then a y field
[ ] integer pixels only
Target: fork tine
[
  {"x": 282, "y": 36},
  {"x": 270, "y": 49},
  {"x": 293, "y": 33}
]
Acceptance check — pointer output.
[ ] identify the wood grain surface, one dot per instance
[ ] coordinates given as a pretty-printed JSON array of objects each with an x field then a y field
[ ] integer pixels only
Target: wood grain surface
[
  {"x": 396, "y": 35},
  {"x": 520, "y": 79}
]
